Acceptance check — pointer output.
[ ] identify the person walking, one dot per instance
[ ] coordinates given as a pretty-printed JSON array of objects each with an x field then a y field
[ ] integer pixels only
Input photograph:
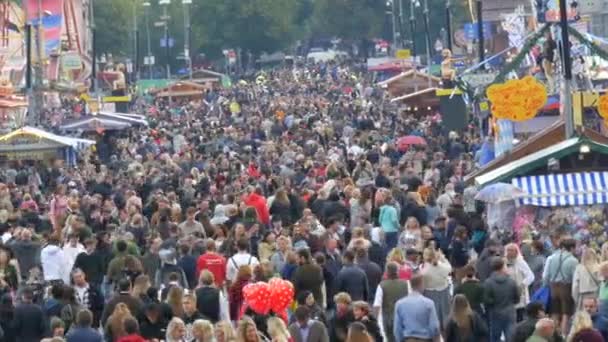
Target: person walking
[
  {"x": 415, "y": 316},
  {"x": 352, "y": 279},
  {"x": 559, "y": 274},
  {"x": 306, "y": 329},
  {"x": 82, "y": 330},
  {"x": 309, "y": 276},
  {"x": 464, "y": 324},
  {"x": 436, "y": 271},
  {"x": 388, "y": 293},
  {"x": 500, "y": 297},
  {"x": 29, "y": 322},
  {"x": 586, "y": 280}
]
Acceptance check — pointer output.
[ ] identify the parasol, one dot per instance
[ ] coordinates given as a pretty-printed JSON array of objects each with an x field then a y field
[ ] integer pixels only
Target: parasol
[
  {"x": 499, "y": 192},
  {"x": 404, "y": 142}
]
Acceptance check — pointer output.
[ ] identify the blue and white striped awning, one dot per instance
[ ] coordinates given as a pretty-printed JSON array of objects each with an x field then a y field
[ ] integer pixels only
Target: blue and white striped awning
[{"x": 569, "y": 189}]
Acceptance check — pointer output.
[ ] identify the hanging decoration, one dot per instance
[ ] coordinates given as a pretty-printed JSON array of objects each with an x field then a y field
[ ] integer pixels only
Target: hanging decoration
[
  {"x": 517, "y": 100},
  {"x": 511, "y": 66}
]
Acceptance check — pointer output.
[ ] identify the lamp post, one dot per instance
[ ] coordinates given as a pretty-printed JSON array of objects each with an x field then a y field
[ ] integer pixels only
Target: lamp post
[
  {"x": 165, "y": 4},
  {"x": 187, "y": 46},
  {"x": 148, "y": 59},
  {"x": 482, "y": 52},
  {"x": 448, "y": 23},
  {"x": 413, "y": 5},
  {"x": 427, "y": 33},
  {"x": 567, "y": 66}
]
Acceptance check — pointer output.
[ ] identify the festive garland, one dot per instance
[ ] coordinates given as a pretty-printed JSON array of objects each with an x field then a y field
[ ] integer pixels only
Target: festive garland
[
  {"x": 595, "y": 49},
  {"x": 509, "y": 67}
]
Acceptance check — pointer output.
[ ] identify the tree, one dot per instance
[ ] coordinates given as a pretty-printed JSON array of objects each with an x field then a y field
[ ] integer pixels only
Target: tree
[
  {"x": 254, "y": 25},
  {"x": 114, "y": 26},
  {"x": 349, "y": 19}
]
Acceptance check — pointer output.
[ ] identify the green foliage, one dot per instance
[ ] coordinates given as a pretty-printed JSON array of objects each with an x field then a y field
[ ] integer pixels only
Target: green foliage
[
  {"x": 114, "y": 23},
  {"x": 349, "y": 19}
]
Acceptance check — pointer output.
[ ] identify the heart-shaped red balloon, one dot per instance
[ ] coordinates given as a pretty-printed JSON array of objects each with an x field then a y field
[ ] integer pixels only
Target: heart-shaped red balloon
[
  {"x": 257, "y": 297},
  {"x": 282, "y": 293}
]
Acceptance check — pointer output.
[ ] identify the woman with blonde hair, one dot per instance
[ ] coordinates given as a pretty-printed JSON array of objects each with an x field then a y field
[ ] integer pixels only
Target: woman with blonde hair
[
  {"x": 518, "y": 270},
  {"x": 398, "y": 256},
  {"x": 202, "y": 331},
  {"x": 176, "y": 331},
  {"x": 114, "y": 328},
  {"x": 464, "y": 324},
  {"x": 586, "y": 281},
  {"x": 175, "y": 299},
  {"x": 141, "y": 286},
  {"x": 436, "y": 271},
  {"x": 224, "y": 332},
  {"x": 582, "y": 329},
  {"x": 277, "y": 330},
  {"x": 411, "y": 237},
  {"x": 247, "y": 331},
  {"x": 358, "y": 333}
]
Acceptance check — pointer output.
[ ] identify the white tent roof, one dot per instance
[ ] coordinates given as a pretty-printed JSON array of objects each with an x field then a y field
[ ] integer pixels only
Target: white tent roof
[{"x": 76, "y": 143}]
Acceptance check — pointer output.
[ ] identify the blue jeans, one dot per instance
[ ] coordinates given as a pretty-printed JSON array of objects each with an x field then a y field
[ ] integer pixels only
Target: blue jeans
[
  {"x": 501, "y": 323},
  {"x": 391, "y": 240}
]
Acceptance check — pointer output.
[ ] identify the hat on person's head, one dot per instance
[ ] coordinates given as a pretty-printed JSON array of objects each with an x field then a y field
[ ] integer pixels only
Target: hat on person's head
[{"x": 219, "y": 215}]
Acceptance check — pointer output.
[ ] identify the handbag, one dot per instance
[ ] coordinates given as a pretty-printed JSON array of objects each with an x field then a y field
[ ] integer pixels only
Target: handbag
[{"x": 543, "y": 296}]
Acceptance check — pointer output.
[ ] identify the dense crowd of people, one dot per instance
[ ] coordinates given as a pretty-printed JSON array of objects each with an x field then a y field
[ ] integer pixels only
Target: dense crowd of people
[{"x": 154, "y": 236}]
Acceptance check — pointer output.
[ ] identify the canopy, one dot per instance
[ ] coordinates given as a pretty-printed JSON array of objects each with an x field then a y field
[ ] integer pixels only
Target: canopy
[
  {"x": 580, "y": 188},
  {"x": 105, "y": 121},
  {"x": 75, "y": 143}
]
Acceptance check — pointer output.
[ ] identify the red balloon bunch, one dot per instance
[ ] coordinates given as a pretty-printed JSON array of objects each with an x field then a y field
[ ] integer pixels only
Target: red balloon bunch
[
  {"x": 276, "y": 295},
  {"x": 257, "y": 297},
  {"x": 282, "y": 293}
]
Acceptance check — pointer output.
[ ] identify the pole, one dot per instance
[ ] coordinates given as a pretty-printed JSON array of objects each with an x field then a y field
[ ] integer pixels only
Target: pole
[
  {"x": 428, "y": 39},
  {"x": 448, "y": 24},
  {"x": 93, "y": 48},
  {"x": 28, "y": 58},
  {"x": 186, "y": 4},
  {"x": 413, "y": 27},
  {"x": 401, "y": 28},
  {"x": 135, "y": 44},
  {"x": 567, "y": 66},
  {"x": 167, "y": 48},
  {"x": 482, "y": 52},
  {"x": 394, "y": 18},
  {"x": 149, "y": 46}
]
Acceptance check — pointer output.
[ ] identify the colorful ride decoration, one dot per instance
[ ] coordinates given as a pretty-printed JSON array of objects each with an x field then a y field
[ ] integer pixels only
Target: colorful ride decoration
[
  {"x": 602, "y": 108},
  {"x": 517, "y": 100}
]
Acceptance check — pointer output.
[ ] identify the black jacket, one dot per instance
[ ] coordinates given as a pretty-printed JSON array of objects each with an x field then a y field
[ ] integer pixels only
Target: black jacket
[
  {"x": 150, "y": 330},
  {"x": 353, "y": 281},
  {"x": 92, "y": 265},
  {"x": 479, "y": 331},
  {"x": 371, "y": 324},
  {"x": 523, "y": 330},
  {"x": 374, "y": 274},
  {"x": 501, "y": 293},
  {"x": 29, "y": 323}
]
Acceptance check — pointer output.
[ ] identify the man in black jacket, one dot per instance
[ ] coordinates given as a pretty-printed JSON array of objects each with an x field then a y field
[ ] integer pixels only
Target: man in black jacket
[
  {"x": 29, "y": 322},
  {"x": 123, "y": 296},
  {"x": 352, "y": 280},
  {"x": 501, "y": 293},
  {"x": 525, "y": 329},
  {"x": 91, "y": 263},
  {"x": 151, "y": 323},
  {"x": 373, "y": 272}
]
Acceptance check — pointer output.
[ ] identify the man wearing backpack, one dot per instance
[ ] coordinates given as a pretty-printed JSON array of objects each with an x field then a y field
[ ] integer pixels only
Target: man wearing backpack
[
  {"x": 241, "y": 258},
  {"x": 558, "y": 274}
]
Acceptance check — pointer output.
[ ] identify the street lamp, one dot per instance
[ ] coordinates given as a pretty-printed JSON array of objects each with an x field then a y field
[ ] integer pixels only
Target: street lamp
[
  {"x": 148, "y": 59},
  {"x": 165, "y": 4},
  {"x": 187, "y": 47}
]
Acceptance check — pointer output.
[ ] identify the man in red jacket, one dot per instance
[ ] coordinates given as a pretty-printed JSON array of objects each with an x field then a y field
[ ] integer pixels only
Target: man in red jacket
[
  {"x": 213, "y": 262},
  {"x": 255, "y": 199}
]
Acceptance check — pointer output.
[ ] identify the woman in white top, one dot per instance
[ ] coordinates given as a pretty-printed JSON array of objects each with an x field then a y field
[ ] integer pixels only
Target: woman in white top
[
  {"x": 519, "y": 270},
  {"x": 436, "y": 270},
  {"x": 586, "y": 281}
]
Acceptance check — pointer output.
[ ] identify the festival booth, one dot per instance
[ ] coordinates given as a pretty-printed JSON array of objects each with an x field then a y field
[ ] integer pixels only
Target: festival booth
[
  {"x": 555, "y": 182},
  {"x": 204, "y": 77},
  {"x": 414, "y": 88},
  {"x": 29, "y": 143},
  {"x": 105, "y": 121},
  {"x": 181, "y": 89}
]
